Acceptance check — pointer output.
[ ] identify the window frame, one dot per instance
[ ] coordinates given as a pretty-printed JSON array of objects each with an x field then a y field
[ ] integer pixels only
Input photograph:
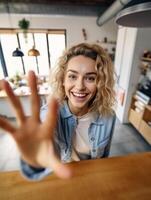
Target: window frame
[{"x": 33, "y": 31}]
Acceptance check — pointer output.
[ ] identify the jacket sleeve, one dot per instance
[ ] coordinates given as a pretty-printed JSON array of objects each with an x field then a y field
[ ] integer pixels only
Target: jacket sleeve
[
  {"x": 107, "y": 148},
  {"x": 32, "y": 173}
]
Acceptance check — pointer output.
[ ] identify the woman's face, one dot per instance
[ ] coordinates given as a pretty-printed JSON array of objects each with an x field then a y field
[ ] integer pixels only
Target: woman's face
[{"x": 80, "y": 83}]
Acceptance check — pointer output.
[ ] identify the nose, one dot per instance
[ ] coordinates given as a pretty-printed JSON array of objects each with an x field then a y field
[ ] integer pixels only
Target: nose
[{"x": 80, "y": 85}]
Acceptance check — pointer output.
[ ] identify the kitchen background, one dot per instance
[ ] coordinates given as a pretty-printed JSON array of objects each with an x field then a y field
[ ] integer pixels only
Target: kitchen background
[{"x": 55, "y": 26}]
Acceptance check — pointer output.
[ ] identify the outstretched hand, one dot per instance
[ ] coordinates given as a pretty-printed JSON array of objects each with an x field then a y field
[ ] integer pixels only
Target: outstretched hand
[{"x": 33, "y": 138}]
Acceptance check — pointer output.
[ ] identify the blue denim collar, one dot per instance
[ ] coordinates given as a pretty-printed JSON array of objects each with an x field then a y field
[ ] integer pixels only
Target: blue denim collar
[{"x": 66, "y": 113}]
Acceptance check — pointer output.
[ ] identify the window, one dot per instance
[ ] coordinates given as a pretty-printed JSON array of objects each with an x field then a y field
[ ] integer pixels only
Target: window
[
  {"x": 49, "y": 43},
  {"x": 9, "y": 44},
  {"x": 57, "y": 45}
]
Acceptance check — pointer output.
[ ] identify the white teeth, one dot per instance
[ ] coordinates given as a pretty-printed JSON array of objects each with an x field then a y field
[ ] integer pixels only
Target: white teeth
[{"x": 79, "y": 94}]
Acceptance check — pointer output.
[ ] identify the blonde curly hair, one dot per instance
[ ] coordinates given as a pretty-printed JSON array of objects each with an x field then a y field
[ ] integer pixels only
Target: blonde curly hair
[{"x": 105, "y": 96}]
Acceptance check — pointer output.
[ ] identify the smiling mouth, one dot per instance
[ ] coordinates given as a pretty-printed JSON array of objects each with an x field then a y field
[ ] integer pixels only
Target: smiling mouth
[{"x": 79, "y": 95}]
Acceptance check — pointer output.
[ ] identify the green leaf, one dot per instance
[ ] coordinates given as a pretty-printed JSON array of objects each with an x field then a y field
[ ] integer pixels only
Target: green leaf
[{"x": 24, "y": 24}]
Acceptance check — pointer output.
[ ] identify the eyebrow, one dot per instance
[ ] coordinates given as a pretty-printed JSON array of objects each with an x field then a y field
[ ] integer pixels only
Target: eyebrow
[{"x": 88, "y": 73}]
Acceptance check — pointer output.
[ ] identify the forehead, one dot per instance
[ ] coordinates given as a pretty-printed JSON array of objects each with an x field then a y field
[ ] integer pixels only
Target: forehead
[{"x": 81, "y": 64}]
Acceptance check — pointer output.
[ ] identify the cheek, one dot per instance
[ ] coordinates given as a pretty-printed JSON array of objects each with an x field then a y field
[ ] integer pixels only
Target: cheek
[
  {"x": 92, "y": 88},
  {"x": 67, "y": 85}
]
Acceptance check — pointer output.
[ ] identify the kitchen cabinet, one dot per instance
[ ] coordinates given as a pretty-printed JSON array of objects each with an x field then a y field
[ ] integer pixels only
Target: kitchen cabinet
[{"x": 141, "y": 119}]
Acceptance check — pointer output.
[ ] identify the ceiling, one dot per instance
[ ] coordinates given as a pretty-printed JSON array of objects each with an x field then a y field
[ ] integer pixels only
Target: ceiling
[{"x": 56, "y": 7}]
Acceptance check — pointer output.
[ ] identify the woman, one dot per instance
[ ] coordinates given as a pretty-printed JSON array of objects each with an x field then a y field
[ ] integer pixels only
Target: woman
[{"x": 78, "y": 125}]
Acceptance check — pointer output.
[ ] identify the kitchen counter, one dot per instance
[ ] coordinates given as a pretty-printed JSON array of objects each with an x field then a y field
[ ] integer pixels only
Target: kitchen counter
[{"x": 24, "y": 96}]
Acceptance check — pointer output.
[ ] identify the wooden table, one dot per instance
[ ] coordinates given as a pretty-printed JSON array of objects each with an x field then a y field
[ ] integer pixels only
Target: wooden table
[{"x": 116, "y": 178}]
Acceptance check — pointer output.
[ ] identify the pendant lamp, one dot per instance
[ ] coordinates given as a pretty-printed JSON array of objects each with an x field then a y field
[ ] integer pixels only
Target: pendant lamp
[
  {"x": 33, "y": 52},
  {"x": 17, "y": 53},
  {"x": 138, "y": 15}
]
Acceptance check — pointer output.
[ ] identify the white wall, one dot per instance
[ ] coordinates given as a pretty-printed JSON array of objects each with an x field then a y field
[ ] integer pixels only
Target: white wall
[
  {"x": 127, "y": 61},
  {"x": 73, "y": 25},
  {"x": 123, "y": 61}
]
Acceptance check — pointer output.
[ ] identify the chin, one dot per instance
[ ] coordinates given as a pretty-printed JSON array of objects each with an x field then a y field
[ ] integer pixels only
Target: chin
[{"x": 79, "y": 105}]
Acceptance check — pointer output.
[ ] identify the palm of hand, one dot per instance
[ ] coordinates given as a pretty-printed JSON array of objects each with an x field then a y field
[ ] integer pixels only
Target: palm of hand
[
  {"x": 33, "y": 138},
  {"x": 35, "y": 150}
]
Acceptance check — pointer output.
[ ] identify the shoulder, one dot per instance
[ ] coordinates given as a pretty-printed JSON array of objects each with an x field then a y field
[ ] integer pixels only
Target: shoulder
[
  {"x": 63, "y": 111},
  {"x": 44, "y": 110},
  {"x": 108, "y": 119}
]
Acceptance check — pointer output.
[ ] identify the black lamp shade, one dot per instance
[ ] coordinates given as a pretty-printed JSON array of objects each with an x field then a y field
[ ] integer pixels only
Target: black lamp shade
[
  {"x": 17, "y": 53},
  {"x": 135, "y": 16}
]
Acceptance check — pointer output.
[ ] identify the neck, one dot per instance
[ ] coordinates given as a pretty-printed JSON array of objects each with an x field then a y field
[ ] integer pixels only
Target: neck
[{"x": 78, "y": 112}]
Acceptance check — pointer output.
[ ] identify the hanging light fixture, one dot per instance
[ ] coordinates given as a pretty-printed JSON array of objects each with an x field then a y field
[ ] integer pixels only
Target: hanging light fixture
[
  {"x": 17, "y": 53},
  {"x": 23, "y": 25},
  {"x": 137, "y": 15},
  {"x": 33, "y": 52}
]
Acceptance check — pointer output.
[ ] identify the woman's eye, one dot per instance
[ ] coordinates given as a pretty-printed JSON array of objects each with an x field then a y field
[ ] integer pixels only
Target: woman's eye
[
  {"x": 90, "y": 78},
  {"x": 72, "y": 77}
]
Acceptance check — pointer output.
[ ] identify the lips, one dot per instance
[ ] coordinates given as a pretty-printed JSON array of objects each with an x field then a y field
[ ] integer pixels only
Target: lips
[{"x": 79, "y": 95}]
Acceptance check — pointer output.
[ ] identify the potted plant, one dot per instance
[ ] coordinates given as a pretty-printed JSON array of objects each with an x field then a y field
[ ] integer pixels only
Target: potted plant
[{"x": 24, "y": 26}]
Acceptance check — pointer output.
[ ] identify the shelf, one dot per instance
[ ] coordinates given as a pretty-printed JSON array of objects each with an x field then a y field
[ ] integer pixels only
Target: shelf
[
  {"x": 140, "y": 119},
  {"x": 146, "y": 59},
  {"x": 135, "y": 118},
  {"x": 145, "y": 131},
  {"x": 108, "y": 42}
]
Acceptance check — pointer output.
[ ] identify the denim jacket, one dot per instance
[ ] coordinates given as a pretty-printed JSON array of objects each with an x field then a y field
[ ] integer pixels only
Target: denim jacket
[{"x": 100, "y": 135}]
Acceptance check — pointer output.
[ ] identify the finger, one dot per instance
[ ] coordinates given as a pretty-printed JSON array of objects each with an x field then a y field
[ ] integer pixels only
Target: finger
[
  {"x": 14, "y": 100},
  {"x": 35, "y": 100},
  {"x": 51, "y": 117},
  {"x": 60, "y": 169},
  {"x": 4, "y": 124}
]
